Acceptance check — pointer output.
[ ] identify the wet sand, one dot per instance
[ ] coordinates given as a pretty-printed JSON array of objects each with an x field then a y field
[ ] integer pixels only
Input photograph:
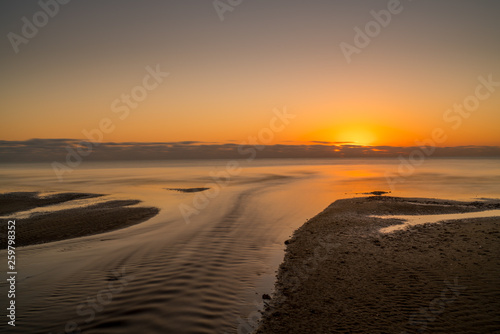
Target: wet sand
[
  {"x": 22, "y": 201},
  {"x": 342, "y": 275},
  {"x": 70, "y": 223}
]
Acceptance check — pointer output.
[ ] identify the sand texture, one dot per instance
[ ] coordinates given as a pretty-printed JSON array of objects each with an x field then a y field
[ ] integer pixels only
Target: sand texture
[
  {"x": 70, "y": 223},
  {"x": 341, "y": 275}
]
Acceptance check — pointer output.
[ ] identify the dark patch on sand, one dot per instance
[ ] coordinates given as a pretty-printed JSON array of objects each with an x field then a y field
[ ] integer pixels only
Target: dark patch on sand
[
  {"x": 188, "y": 190},
  {"x": 340, "y": 275},
  {"x": 376, "y": 193}
]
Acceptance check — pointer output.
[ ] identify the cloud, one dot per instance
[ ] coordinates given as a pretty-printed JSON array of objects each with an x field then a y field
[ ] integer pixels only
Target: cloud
[{"x": 49, "y": 150}]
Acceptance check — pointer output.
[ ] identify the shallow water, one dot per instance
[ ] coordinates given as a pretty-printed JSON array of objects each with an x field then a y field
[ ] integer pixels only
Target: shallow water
[
  {"x": 410, "y": 220},
  {"x": 205, "y": 273}
]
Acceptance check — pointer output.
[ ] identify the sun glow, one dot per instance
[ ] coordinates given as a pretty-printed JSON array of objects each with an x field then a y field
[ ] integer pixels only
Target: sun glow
[{"x": 355, "y": 136}]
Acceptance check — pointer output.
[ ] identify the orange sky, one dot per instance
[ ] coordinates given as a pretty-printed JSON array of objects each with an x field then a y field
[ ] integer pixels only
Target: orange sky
[{"x": 225, "y": 78}]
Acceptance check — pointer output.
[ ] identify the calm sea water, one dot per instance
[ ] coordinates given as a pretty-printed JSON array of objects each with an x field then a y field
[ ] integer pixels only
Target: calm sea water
[{"x": 203, "y": 263}]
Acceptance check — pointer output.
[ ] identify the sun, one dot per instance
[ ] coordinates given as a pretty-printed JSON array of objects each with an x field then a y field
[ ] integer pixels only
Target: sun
[
  {"x": 354, "y": 133},
  {"x": 355, "y": 136}
]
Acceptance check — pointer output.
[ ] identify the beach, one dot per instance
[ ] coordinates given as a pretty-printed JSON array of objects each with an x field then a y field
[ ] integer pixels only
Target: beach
[
  {"x": 208, "y": 274},
  {"x": 341, "y": 274},
  {"x": 165, "y": 167}
]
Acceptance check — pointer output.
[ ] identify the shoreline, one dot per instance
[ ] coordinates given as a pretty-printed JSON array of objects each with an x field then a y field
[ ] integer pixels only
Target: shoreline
[
  {"x": 341, "y": 274},
  {"x": 71, "y": 223},
  {"x": 14, "y": 202}
]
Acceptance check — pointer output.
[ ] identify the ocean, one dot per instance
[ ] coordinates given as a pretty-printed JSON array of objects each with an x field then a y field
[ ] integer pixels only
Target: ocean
[{"x": 203, "y": 263}]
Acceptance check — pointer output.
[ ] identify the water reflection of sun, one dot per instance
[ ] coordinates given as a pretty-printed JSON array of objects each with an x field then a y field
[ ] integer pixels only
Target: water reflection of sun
[{"x": 360, "y": 173}]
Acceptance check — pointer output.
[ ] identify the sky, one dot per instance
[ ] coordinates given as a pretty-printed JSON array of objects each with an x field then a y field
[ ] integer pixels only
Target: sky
[{"x": 219, "y": 72}]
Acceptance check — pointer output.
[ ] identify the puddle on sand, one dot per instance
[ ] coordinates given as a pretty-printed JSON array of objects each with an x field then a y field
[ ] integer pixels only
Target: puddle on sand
[{"x": 410, "y": 220}]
